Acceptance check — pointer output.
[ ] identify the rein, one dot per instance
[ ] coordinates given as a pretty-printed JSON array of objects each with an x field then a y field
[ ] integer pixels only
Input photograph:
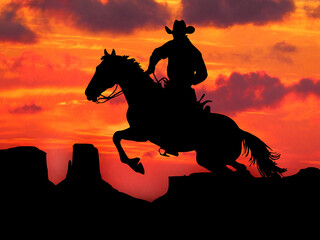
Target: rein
[
  {"x": 114, "y": 94},
  {"x": 164, "y": 79},
  {"x": 103, "y": 99}
]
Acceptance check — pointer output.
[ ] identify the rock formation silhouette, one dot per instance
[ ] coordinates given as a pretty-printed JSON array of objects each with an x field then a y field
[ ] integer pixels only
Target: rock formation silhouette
[
  {"x": 83, "y": 194},
  {"x": 24, "y": 169},
  {"x": 83, "y": 184},
  {"x": 84, "y": 170},
  {"x": 242, "y": 194}
]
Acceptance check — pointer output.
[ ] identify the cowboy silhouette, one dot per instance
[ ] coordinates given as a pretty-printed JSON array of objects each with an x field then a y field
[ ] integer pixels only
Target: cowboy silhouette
[
  {"x": 185, "y": 63},
  {"x": 153, "y": 116}
]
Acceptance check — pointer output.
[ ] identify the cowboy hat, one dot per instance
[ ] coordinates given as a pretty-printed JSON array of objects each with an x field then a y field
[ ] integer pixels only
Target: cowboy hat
[{"x": 180, "y": 27}]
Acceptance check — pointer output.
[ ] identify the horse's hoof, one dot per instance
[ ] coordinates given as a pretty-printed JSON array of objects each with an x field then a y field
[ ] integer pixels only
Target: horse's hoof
[
  {"x": 139, "y": 168},
  {"x": 136, "y": 165},
  {"x": 134, "y": 161}
]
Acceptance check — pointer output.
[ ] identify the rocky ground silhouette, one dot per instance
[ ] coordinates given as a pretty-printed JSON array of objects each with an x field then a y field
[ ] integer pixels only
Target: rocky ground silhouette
[{"x": 83, "y": 194}]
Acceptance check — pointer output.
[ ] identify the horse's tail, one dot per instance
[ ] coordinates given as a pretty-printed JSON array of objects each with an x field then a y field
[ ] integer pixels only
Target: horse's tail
[{"x": 262, "y": 155}]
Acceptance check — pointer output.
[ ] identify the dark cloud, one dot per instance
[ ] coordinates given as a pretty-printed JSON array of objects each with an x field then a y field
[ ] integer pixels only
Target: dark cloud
[
  {"x": 26, "y": 109},
  {"x": 120, "y": 16},
  {"x": 244, "y": 91},
  {"x": 313, "y": 12},
  {"x": 226, "y": 13},
  {"x": 284, "y": 47},
  {"x": 255, "y": 90},
  {"x": 149, "y": 154},
  {"x": 12, "y": 29},
  {"x": 306, "y": 87},
  {"x": 282, "y": 51}
]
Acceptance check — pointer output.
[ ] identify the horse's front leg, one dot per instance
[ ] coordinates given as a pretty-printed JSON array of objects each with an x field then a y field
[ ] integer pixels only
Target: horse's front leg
[{"x": 133, "y": 135}]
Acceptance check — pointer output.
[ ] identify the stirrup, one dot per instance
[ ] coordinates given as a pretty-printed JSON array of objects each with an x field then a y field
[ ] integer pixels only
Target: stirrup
[{"x": 164, "y": 154}]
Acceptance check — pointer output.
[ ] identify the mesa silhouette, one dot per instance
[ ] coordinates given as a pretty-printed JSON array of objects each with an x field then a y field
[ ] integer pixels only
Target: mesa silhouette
[
  {"x": 25, "y": 186},
  {"x": 25, "y": 174}
]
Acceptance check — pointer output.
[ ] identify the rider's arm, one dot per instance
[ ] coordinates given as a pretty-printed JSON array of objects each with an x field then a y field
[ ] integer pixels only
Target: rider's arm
[
  {"x": 158, "y": 54},
  {"x": 201, "y": 71}
]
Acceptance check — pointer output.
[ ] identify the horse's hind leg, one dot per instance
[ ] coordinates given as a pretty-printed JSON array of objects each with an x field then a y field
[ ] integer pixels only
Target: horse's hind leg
[
  {"x": 212, "y": 162},
  {"x": 237, "y": 166},
  {"x": 232, "y": 156},
  {"x": 217, "y": 159}
]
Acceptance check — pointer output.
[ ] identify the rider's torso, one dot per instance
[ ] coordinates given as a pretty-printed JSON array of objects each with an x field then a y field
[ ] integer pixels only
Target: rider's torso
[{"x": 182, "y": 62}]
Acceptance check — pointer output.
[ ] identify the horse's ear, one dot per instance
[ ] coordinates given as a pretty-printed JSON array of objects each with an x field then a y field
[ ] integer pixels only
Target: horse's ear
[
  {"x": 113, "y": 52},
  {"x": 105, "y": 54}
]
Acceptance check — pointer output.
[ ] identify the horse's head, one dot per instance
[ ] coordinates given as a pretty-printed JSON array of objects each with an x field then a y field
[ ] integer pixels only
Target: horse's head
[{"x": 104, "y": 77}]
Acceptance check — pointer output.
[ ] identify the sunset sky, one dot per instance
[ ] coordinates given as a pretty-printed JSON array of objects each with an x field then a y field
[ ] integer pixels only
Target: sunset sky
[{"x": 263, "y": 67}]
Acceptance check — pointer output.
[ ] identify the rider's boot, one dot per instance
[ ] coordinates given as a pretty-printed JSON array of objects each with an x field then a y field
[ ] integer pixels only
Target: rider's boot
[{"x": 174, "y": 153}]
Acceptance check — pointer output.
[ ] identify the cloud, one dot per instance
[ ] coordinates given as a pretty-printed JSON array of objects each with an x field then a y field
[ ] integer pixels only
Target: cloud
[
  {"x": 26, "y": 109},
  {"x": 281, "y": 51},
  {"x": 31, "y": 70},
  {"x": 244, "y": 91},
  {"x": 149, "y": 154},
  {"x": 306, "y": 86},
  {"x": 312, "y": 12},
  {"x": 284, "y": 47},
  {"x": 255, "y": 90},
  {"x": 118, "y": 16},
  {"x": 226, "y": 13},
  {"x": 12, "y": 29}
]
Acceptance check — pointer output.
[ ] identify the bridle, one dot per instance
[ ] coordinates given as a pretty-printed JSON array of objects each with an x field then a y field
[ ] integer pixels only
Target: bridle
[{"x": 114, "y": 94}]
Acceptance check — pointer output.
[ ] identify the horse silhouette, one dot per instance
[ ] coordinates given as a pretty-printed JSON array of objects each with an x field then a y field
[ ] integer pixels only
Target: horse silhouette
[{"x": 155, "y": 115}]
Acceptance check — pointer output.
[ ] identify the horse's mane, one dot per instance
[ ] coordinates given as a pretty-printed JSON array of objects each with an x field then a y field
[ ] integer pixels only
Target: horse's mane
[
  {"x": 131, "y": 62},
  {"x": 133, "y": 69},
  {"x": 135, "y": 66}
]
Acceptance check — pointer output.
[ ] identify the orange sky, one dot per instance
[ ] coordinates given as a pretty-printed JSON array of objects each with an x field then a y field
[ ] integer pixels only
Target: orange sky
[{"x": 49, "y": 51}]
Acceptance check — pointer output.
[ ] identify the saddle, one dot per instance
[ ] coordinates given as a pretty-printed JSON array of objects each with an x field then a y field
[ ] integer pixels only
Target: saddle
[
  {"x": 184, "y": 111},
  {"x": 173, "y": 93}
]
